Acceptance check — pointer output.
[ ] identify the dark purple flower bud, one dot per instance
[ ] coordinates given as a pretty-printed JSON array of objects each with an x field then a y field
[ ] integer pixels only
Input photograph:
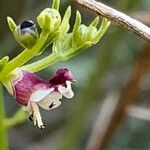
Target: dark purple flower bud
[{"x": 26, "y": 34}]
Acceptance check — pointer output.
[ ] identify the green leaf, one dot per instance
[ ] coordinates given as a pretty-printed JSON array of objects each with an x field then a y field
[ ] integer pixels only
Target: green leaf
[
  {"x": 12, "y": 25},
  {"x": 56, "y": 4}
]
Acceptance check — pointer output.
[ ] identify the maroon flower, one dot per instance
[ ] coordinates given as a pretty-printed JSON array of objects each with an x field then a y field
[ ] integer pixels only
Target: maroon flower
[{"x": 31, "y": 91}]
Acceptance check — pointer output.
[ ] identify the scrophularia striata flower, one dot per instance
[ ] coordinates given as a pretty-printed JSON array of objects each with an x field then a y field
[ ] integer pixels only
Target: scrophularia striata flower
[{"x": 32, "y": 91}]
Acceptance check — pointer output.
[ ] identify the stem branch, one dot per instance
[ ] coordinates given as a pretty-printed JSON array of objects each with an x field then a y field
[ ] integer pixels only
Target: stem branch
[
  {"x": 43, "y": 63},
  {"x": 26, "y": 55}
]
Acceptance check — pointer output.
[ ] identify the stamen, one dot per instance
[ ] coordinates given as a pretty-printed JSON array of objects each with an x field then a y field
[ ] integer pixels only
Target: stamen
[
  {"x": 51, "y": 105},
  {"x": 31, "y": 117},
  {"x": 37, "y": 119}
]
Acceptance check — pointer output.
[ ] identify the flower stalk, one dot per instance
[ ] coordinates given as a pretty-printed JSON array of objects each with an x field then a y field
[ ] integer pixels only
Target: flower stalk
[{"x": 3, "y": 129}]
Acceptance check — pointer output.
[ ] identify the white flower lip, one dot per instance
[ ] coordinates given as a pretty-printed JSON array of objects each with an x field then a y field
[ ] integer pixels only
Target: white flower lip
[
  {"x": 51, "y": 101},
  {"x": 66, "y": 91},
  {"x": 40, "y": 94}
]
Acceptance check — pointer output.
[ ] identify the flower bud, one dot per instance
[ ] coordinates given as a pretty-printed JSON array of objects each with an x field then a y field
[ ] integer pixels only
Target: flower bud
[
  {"x": 26, "y": 34},
  {"x": 85, "y": 34},
  {"x": 53, "y": 21}
]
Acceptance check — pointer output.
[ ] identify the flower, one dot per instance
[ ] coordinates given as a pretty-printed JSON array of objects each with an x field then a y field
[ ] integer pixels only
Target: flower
[
  {"x": 26, "y": 34},
  {"x": 32, "y": 91}
]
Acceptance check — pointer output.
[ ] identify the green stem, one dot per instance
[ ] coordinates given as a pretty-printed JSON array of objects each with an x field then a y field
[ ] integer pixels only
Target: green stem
[
  {"x": 19, "y": 117},
  {"x": 43, "y": 63},
  {"x": 3, "y": 130},
  {"x": 26, "y": 55},
  {"x": 16, "y": 62}
]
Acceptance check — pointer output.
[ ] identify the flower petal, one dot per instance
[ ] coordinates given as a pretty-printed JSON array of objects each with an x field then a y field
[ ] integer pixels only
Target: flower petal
[
  {"x": 38, "y": 95},
  {"x": 66, "y": 91},
  {"x": 69, "y": 94},
  {"x": 51, "y": 101}
]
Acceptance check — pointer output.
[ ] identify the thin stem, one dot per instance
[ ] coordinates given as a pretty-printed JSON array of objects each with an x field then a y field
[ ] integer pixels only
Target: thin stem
[
  {"x": 16, "y": 62},
  {"x": 26, "y": 55},
  {"x": 3, "y": 130},
  {"x": 19, "y": 117},
  {"x": 118, "y": 17},
  {"x": 43, "y": 63}
]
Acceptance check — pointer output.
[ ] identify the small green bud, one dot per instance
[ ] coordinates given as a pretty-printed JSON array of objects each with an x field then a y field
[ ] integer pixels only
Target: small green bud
[
  {"x": 26, "y": 34},
  {"x": 85, "y": 34},
  {"x": 49, "y": 19},
  {"x": 81, "y": 38},
  {"x": 82, "y": 33}
]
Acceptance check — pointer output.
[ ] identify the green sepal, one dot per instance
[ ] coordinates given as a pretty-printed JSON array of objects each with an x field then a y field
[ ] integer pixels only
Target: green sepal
[
  {"x": 103, "y": 28},
  {"x": 92, "y": 30},
  {"x": 56, "y": 4},
  {"x": 3, "y": 62},
  {"x": 47, "y": 23},
  {"x": 76, "y": 28},
  {"x": 95, "y": 22},
  {"x": 64, "y": 27},
  {"x": 12, "y": 25}
]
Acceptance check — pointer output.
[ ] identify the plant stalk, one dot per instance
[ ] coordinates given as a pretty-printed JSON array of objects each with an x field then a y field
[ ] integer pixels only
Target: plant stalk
[{"x": 3, "y": 130}]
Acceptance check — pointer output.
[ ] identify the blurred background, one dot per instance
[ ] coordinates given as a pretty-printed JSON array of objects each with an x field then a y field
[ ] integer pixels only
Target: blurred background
[{"x": 103, "y": 68}]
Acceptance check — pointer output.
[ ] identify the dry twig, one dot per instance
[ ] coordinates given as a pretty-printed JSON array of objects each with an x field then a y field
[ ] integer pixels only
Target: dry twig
[{"x": 118, "y": 17}]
